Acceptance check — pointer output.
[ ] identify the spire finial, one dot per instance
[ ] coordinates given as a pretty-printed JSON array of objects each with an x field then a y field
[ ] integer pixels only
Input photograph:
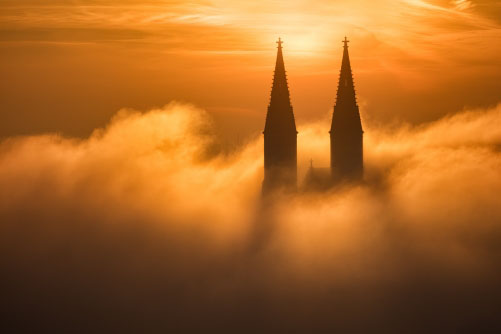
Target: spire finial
[
  {"x": 345, "y": 41},
  {"x": 311, "y": 163},
  {"x": 279, "y": 42}
]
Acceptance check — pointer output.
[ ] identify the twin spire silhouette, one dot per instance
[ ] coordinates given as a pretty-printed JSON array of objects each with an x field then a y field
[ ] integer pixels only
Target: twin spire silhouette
[{"x": 280, "y": 134}]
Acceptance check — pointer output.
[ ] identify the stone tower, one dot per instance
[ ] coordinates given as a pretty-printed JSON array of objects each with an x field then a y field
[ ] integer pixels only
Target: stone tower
[
  {"x": 280, "y": 135},
  {"x": 346, "y": 129}
]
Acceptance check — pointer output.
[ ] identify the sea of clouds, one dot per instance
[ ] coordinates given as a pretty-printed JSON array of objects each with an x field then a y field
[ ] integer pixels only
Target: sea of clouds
[{"x": 146, "y": 226}]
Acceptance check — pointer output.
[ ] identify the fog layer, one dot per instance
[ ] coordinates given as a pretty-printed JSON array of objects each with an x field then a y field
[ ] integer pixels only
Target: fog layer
[{"x": 147, "y": 226}]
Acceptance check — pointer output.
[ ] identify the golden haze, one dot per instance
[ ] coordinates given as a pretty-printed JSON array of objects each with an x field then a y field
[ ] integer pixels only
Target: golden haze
[{"x": 67, "y": 66}]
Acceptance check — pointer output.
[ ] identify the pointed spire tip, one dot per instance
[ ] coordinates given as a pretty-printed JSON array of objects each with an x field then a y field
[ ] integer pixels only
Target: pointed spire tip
[{"x": 345, "y": 41}]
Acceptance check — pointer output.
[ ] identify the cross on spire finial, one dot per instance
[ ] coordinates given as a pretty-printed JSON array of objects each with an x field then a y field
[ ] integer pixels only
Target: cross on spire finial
[
  {"x": 279, "y": 42},
  {"x": 345, "y": 41}
]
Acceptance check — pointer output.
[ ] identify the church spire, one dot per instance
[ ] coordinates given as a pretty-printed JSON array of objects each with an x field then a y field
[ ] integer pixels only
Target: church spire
[
  {"x": 280, "y": 135},
  {"x": 346, "y": 128},
  {"x": 346, "y": 109},
  {"x": 280, "y": 114}
]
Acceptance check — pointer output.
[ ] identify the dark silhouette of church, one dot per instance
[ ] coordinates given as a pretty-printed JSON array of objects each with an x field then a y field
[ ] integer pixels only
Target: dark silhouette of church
[
  {"x": 346, "y": 128},
  {"x": 280, "y": 135}
]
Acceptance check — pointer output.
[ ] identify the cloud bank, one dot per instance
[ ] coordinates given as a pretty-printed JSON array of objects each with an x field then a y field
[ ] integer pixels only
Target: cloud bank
[{"x": 146, "y": 227}]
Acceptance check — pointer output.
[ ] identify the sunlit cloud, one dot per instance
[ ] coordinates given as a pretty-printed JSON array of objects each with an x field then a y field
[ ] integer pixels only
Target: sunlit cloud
[{"x": 463, "y": 4}]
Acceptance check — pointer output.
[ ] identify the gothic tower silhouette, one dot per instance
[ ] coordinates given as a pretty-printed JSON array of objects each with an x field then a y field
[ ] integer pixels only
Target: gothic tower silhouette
[
  {"x": 280, "y": 135},
  {"x": 346, "y": 129}
]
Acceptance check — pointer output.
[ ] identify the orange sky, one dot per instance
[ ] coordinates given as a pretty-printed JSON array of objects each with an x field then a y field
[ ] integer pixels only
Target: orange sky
[{"x": 68, "y": 66}]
